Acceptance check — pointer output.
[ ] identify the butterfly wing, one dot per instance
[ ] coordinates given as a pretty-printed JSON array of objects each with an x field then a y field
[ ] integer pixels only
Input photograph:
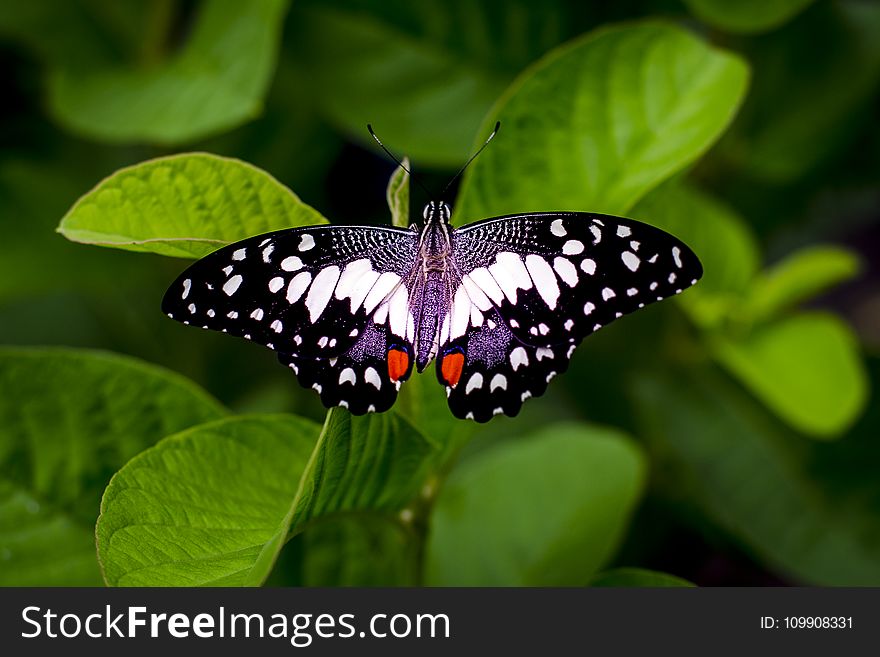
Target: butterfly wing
[
  {"x": 326, "y": 298},
  {"x": 529, "y": 288}
]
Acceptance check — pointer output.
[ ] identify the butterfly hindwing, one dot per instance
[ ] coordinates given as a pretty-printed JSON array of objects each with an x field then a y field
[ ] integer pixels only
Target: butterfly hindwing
[
  {"x": 359, "y": 379},
  {"x": 497, "y": 372},
  {"x": 305, "y": 291}
]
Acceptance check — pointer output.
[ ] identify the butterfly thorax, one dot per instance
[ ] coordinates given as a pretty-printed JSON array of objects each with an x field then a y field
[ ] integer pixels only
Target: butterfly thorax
[{"x": 431, "y": 293}]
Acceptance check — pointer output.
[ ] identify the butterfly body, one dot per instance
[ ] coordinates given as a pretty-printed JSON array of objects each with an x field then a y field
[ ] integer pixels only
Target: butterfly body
[{"x": 500, "y": 304}]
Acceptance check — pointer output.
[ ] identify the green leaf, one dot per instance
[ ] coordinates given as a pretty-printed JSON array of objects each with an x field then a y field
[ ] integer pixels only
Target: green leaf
[
  {"x": 216, "y": 81},
  {"x": 638, "y": 577},
  {"x": 800, "y": 277},
  {"x": 215, "y": 504},
  {"x": 599, "y": 122},
  {"x": 806, "y": 368},
  {"x": 370, "y": 550},
  {"x": 719, "y": 237},
  {"x": 68, "y": 420},
  {"x": 808, "y": 510},
  {"x": 184, "y": 206},
  {"x": 397, "y": 195},
  {"x": 746, "y": 16},
  {"x": 423, "y": 73},
  {"x": 545, "y": 510},
  {"x": 423, "y": 403}
]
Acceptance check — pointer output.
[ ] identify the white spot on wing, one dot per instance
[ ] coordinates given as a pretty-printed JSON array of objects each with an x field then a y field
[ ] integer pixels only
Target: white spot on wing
[
  {"x": 631, "y": 260},
  {"x": 676, "y": 255},
  {"x": 353, "y": 274},
  {"x": 277, "y": 326},
  {"x": 486, "y": 282},
  {"x": 461, "y": 313},
  {"x": 297, "y": 286},
  {"x": 544, "y": 352},
  {"x": 545, "y": 280},
  {"x": 573, "y": 247},
  {"x": 291, "y": 263},
  {"x": 518, "y": 357},
  {"x": 187, "y": 284},
  {"x": 623, "y": 231},
  {"x": 306, "y": 242},
  {"x": 347, "y": 376},
  {"x": 239, "y": 254},
  {"x": 477, "y": 295},
  {"x": 267, "y": 252},
  {"x": 257, "y": 314},
  {"x": 597, "y": 234},
  {"x": 589, "y": 266},
  {"x": 557, "y": 228},
  {"x": 608, "y": 293},
  {"x": 372, "y": 377},
  {"x": 510, "y": 274},
  {"x": 398, "y": 311},
  {"x": 498, "y": 381},
  {"x": 230, "y": 287},
  {"x": 566, "y": 271},
  {"x": 276, "y": 284},
  {"x": 589, "y": 307},
  {"x": 383, "y": 286},
  {"x": 476, "y": 381}
]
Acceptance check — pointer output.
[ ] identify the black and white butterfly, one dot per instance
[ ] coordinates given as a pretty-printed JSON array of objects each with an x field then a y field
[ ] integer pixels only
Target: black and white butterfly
[{"x": 501, "y": 303}]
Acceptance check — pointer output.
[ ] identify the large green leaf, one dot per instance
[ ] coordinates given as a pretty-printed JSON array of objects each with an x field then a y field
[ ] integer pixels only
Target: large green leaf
[
  {"x": 68, "y": 420},
  {"x": 806, "y": 368},
  {"x": 747, "y": 15},
  {"x": 599, "y": 122},
  {"x": 799, "y": 277},
  {"x": 368, "y": 550},
  {"x": 184, "y": 206},
  {"x": 719, "y": 237},
  {"x": 544, "y": 510},
  {"x": 216, "y": 81},
  {"x": 806, "y": 509},
  {"x": 215, "y": 504},
  {"x": 423, "y": 73}
]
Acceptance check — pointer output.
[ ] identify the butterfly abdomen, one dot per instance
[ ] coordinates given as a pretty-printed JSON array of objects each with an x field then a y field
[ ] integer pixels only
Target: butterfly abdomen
[{"x": 434, "y": 298}]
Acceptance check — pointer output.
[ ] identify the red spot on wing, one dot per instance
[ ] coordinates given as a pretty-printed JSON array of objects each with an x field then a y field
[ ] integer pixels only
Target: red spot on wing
[
  {"x": 450, "y": 368},
  {"x": 398, "y": 364}
]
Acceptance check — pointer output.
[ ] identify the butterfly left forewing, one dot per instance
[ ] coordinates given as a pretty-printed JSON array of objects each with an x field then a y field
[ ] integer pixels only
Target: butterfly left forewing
[
  {"x": 326, "y": 298},
  {"x": 307, "y": 291}
]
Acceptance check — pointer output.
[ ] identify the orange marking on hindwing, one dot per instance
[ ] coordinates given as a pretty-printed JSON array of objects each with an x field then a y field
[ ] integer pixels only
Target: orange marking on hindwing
[
  {"x": 450, "y": 368},
  {"x": 398, "y": 364}
]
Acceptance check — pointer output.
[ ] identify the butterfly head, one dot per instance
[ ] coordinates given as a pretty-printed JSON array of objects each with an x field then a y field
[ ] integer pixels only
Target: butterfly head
[{"x": 436, "y": 212}]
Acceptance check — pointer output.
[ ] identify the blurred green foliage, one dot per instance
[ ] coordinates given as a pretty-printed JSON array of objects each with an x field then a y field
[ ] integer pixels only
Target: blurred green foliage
[{"x": 736, "y": 425}]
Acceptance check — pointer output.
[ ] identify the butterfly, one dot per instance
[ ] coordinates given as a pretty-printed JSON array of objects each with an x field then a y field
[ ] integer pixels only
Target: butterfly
[{"x": 500, "y": 304}]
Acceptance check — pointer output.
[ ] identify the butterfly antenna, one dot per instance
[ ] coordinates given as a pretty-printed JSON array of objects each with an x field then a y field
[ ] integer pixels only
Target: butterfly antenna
[
  {"x": 392, "y": 156},
  {"x": 473, "y": 157}
]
